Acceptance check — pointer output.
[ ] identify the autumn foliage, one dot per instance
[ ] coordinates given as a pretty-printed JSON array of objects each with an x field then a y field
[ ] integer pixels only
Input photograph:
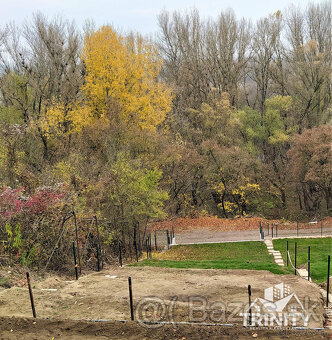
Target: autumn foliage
[
  {"x": 31, "y": 223},
  {"x": 120, "y": 83},
  {"x": 219, "y": 117}
]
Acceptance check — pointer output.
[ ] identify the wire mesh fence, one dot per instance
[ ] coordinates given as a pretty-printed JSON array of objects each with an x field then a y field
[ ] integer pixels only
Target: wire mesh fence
[{"x": 274, "y": 230}]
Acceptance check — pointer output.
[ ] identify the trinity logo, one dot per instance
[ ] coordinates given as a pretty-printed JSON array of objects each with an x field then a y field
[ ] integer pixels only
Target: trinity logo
[{"x": 280, "y": 307}]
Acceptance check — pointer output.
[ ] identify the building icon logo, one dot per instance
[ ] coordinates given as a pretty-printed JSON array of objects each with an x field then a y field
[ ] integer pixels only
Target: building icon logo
[{"x": 280, "y": 307}]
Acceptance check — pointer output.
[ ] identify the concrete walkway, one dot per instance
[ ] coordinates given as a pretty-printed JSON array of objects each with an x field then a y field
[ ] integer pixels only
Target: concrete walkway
[{"x": 276, "y": 254}]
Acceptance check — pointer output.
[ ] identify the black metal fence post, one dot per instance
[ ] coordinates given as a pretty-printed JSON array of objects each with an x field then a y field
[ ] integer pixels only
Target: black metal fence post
[
  {"x": 155, "y": 241},
  {"x": 131, "y": 299},
  {"x": 98, "y": 258},
  {"x": 31, "y": 296},
  {"x": 249, "y": 293},
  {"x": 295, "y": 258},
  {"x": 77, "y": 244},
  {"x": 308, "y": 263},
  {"x": 120, "y": 254},
  {"x": 328, "y": 281},
  {"x": 272, "y": 230},
  {"x": 135, "y": 243},
  {"x": 287, "y": 252},
  {"x": 75, "y": 264},
  {"x": 147, "y": 248},
  {"x": 99, "y": 249},
  {"x": 150, "y": 245}
]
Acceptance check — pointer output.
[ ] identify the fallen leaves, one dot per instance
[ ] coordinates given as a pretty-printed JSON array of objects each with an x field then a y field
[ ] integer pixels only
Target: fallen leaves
[{"x": 228, "y": 224}]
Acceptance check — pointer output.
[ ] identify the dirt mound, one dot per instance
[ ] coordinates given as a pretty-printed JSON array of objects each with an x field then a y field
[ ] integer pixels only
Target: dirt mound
[{"x": 22, "y": 328}]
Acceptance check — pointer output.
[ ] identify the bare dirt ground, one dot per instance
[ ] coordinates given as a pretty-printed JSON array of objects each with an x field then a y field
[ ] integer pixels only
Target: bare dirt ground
[
  {"x": 103, "y": 296},
  {"x": 65, "y": 306}
]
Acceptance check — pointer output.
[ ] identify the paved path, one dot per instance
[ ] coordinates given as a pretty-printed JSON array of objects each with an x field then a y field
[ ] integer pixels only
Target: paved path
[
  {"x": 211, "y": 236},
  {"x": 276, "y": 254}
]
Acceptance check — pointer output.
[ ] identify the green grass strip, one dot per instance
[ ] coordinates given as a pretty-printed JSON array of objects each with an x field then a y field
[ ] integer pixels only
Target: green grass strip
[
  {"x": 319, "y": 250},
  {"x": 232, "y": 255}
]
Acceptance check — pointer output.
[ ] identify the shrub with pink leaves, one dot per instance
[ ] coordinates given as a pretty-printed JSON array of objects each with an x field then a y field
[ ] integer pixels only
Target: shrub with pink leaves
[
  {"x": 30, "y": 222},
  {"x": 14, "y": 203}
]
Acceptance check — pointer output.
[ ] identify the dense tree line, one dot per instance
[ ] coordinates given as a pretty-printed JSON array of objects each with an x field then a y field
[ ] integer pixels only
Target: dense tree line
[
  {"x": 243, "y": 92},
  {"x": 220, "y": 116}
]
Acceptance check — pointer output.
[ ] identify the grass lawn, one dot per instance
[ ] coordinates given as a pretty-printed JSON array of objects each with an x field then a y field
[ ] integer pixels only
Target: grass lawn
[
  {"x": 232, "y": 255},
  {"x": 319, "y": 250}
]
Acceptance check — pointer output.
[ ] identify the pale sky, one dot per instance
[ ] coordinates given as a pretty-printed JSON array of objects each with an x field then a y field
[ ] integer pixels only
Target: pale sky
[{"x": 139, "y": 15}]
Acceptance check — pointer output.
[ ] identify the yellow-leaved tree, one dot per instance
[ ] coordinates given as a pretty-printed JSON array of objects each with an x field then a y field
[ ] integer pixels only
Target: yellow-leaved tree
[{"x": 120, "y": 78}]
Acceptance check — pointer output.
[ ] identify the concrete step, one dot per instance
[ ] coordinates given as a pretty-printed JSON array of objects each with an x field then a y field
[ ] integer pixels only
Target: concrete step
[
  {"x": 302, "y": 272},
  {"x": 276, "y": 253}
]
